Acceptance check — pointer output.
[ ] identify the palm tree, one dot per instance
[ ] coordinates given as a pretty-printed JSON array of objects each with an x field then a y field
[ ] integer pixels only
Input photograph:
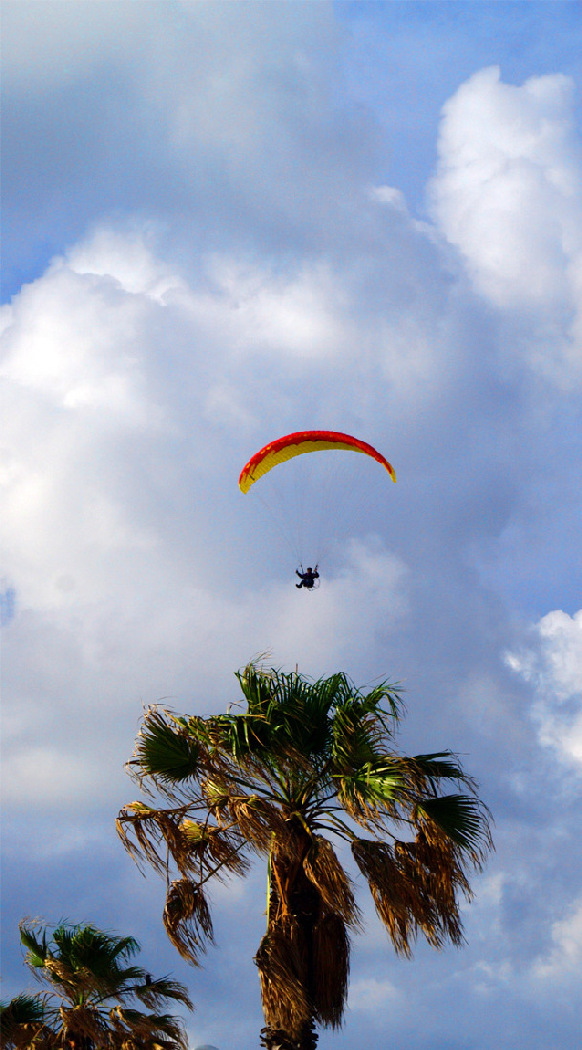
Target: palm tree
[
  {"x": 92, "y": 981},
  {"x": 23, "y": 1024},
  {"x": 306, "y": 765}
]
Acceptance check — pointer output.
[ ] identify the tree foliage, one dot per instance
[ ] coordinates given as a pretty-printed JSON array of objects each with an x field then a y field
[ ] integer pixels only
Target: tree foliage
[
  {"x": 305, "y": 766},
  {"x": 98, "y": 999}
]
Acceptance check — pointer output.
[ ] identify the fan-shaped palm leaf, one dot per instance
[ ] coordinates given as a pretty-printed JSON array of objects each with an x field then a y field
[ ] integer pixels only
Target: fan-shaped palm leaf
[
  {"x": 304, "y": 761},
  {"x": 87, "y": 969}
]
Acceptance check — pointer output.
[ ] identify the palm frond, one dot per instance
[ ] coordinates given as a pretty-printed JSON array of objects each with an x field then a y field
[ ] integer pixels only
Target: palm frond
[
  {"x": 282, "y": 967},
  {"x": 81, "y": 1023},
  {"x": 37, "y": 947},
  {"x": 463, "y": 819},
  {"x": 323, "y": 868},
  {"x": 187, "y": 919},
  {"x": 156, "y": 991},
  {"x": 257, "y": 821},
  {"x": 303, "y": 759},
  {"x": 165, "y": 749},
  {"x": 87, "y": 968},
  {"x": 378, "y": 784},
  {"x": 397, "y": 901},
  {"x": 25, "y": 1023},
  {"x": 138, "y": 828},
  {"x": 215, "y": 847},
  {"x": 136, "y": 1028},
  {"x": 331, "y": 968},
  {"x": 414, "y": 886}
]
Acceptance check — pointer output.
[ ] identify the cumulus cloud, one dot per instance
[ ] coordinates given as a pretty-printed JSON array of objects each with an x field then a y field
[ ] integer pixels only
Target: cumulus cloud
[
  {"x": 45, "y": 778},
  {"x": 553, "y": 664},
  {"x": 373, "y": 994},
  {"x": 564, "y": 959},
  {"x": 508, "y": 194},
  {"x": 124, "y": 532},
  {"x": 58, "y": 44},
  {"x": 142, "y": 369}
]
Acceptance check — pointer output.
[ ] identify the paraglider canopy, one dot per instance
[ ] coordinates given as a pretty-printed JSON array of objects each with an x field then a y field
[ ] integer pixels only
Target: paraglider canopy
[{"x": 296, "y": 444}]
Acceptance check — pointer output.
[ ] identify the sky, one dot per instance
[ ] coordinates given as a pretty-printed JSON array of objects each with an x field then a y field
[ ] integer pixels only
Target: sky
[{"x": 223, "y": 222}]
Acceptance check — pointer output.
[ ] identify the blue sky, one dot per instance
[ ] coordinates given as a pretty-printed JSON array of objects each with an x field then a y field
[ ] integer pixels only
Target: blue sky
[{"x": 224, "y": 222}]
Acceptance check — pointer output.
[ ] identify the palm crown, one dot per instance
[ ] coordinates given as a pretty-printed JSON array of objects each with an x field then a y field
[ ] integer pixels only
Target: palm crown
[
  {"x": 94, "y": 997},
  {"x": 305, "y": 763}
]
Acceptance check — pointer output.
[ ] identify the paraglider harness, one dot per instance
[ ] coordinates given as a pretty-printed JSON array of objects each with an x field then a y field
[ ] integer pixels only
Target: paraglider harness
[{"x": 308, "y": 578}]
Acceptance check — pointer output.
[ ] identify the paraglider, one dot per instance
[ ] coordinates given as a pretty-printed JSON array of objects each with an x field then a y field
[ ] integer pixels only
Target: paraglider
[
  {"x": 285, "y": 448},
  {"x": 296, "y": 444}
]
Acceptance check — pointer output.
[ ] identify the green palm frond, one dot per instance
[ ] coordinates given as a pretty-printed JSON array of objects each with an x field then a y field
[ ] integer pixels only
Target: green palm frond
[
  {"x": 378, "y": 783},
  {"x": 442, "y": 765},
  {"x": 462, "y": 818},
  {"x": 37, "y": 947},
  {"x": 362, "y": 728},
  {"x": 303, "y": 760},
  {"x": 164, "y": 750},
  {"x": 156, "y": 991},
  {"x": 25, "y": 1023},
  {"x": 87, "y": 970}
]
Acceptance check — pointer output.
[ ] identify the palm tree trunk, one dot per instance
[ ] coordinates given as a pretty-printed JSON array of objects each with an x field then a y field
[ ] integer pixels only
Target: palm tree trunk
[
  {"x": 275, "y": 1039},
  {"x": 291, "y": 894}
]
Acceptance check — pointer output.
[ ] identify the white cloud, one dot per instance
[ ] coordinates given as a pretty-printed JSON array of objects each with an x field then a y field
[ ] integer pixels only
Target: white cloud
[
  {"x": 127, "y": 257},
  {"x": 391, "y": 196},
  {"x": 130, "y": 392},
  {"x": 508, "y": 194},
  {"x": 138, "y": 384},
  {"x": 373, "y": 993},
  {"x": 56, "y": 44},
  {"x": 565, "y": 957},
  {"x": 124, "y": 536},
  {"x": 48, "y": 778},
  {"x": 298, "y": 315},
  {"x": 553, "y": 664}
]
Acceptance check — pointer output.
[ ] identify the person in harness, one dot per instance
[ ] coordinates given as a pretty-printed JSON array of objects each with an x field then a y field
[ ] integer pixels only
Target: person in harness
[{"x": 307, "y": 578}]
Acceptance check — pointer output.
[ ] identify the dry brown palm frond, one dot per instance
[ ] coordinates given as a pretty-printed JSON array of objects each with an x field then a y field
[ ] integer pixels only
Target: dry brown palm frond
[
  {"x": 439, "y": 864},
  {"x": 217, "y": 795},
  {"x": 281, "y": 961},
  {"x": 399, "y": 901},
  {"x": 133, "y": 1028},
  {"x": 443, "y": 860},
  {"x": 413, "y": 892},
  {"x": 21, "y": 1033},
  {"x": 142, "y": 831},
  {"x": 326, "y": 873},
  {"x": 331, "y": 966},
  {"x": 258, "y": 821},
  {"x": 216, "y": 848},
  {"x": 177, "y": 842},
  {"x": 151, "y": 835},
  {"x": 187, "y": 919},
  {"x": 82, "y": 1023},
  {"x": 58, "y": 972},
  {"x": 435, "y": 879},
  {"x": 438, "y": 840}
]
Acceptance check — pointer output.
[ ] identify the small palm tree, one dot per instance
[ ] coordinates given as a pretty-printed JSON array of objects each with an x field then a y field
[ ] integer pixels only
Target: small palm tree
[
  {"x": 94, "y": 987},
  {"x": 23, "y": 1024},
  {"x": 307, "y": 764}
]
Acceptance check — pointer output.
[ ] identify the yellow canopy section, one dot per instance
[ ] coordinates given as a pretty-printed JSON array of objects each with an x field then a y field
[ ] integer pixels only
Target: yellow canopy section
[{"x": 299, "y": 443}]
